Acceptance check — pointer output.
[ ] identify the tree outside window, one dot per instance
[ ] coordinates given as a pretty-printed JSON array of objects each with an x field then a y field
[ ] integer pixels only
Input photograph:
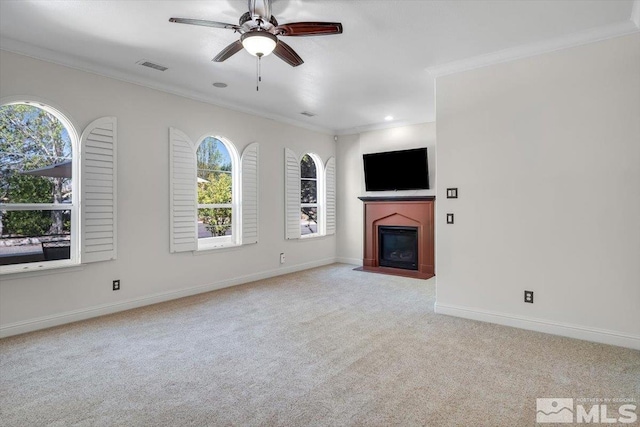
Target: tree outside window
[
  {"x": 308, "y": 196},
  {"x": 215, "y": 183},
  {"x": 35, "y": 182}
]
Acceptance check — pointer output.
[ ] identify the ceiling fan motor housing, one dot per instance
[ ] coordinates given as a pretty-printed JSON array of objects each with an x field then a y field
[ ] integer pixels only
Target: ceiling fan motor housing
[{"x": 249, "y": 22}]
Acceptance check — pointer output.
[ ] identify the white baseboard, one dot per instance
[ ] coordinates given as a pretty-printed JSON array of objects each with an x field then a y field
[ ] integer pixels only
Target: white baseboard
[
  {"x": 101, "y": 310},
  {"x": 556, "y": 328},
  {"x": 352, "y": 261}
]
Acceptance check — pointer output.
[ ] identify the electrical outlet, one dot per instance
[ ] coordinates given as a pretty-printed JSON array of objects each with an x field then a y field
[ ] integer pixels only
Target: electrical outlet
[
  {"x": 449, "y": 218},
  {"x": 116, "y": 285},
  {"x": 528, "y": 296},
  {"x": 282, "y": 258}
]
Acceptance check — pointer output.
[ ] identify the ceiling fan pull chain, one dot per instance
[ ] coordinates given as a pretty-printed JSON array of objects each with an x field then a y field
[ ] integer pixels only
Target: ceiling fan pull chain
[{"x": 258, "y": 72}]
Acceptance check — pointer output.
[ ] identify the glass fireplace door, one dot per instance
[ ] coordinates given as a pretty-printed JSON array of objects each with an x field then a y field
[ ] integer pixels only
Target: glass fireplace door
[{"x": 398, "y": 247}]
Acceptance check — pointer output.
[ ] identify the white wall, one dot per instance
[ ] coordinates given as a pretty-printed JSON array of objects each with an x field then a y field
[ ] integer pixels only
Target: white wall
[
  {"x": 350, "y": 149},
  {"x": 146, "y": 268},
  {"x": 545, "y": 152}
]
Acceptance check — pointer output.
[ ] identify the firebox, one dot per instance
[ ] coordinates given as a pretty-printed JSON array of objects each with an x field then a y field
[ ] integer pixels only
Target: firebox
[{"x": 398, "y": 247}]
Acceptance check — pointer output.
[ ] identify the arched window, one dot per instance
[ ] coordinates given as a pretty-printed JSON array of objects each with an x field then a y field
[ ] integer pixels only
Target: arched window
[
  {"x": 38, "y": 187},
  {"x": 311, "y": 195},
  {"x": 213, "y": 193},
  {"x": 218, "y": 201}
]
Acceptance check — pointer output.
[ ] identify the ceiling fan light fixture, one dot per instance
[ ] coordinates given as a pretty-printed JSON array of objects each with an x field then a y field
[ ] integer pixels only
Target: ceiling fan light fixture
[{"x": 259, "y": 43}]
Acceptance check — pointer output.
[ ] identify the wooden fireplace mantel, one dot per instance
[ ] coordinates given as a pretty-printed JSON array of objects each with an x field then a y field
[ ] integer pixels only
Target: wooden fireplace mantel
[
  {"x": 396, "y": 199},
  {"x": 410, "y": 211}
]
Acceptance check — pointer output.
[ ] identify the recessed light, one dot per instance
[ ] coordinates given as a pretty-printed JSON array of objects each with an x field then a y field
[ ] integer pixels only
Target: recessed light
[
  {"x": 388, "y": 118},
  {"x": 220, "y": 85}
]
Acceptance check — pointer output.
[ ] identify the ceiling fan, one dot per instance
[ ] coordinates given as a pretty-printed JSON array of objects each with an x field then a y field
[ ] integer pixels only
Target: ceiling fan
[{"x": 260, "y": 30}]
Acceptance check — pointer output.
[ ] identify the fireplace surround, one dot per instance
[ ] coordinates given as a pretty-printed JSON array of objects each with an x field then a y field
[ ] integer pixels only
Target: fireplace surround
[{"x": 396, "y": 219}]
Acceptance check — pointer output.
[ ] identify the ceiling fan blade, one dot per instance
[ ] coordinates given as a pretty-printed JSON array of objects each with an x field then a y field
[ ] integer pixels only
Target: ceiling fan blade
[
  {"x": 287, "y": 54},
  {"x": 228, "y": 51},
  {"x": 203, "y": 23},
  {"x": 309, "y": 29}
]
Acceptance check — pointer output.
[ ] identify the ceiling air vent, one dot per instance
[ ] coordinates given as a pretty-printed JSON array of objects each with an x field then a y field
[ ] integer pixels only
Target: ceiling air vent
[
  {"x": 150, "y": 64},
  {"x": 308, "y": 114}
]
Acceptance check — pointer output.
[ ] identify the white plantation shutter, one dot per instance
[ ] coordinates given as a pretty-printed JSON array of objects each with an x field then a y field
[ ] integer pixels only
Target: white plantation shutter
[
  {"x": 250, "y": 194},
  {"x": 183, "y": 192},
  {"x": 98, "y": 203},
  {"x": 292, "y": 194},
  {"x": 330, "y": 200}
]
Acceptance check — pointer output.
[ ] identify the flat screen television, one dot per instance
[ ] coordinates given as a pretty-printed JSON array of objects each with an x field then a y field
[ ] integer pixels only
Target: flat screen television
[{"x": 396, "y": 170}]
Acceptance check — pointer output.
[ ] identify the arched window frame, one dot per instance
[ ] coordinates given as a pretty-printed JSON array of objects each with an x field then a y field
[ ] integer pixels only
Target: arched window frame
[
  {"x": 236, "y": 196},
  {"x": 183, "y": 194},
  {"x": 326, "y": 177},
  {"x": 320, "y": 189},
  {"x": 73, "y": 207}
]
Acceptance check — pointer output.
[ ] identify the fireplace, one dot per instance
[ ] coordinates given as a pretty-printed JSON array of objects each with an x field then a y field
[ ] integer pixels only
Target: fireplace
[
  {"x": 398, "y": 247},
  {"x": 399, "y": 236}
]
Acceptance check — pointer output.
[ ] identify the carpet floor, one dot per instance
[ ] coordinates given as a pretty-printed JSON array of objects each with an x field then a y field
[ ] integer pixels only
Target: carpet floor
[{"x": 327, "y": 346}]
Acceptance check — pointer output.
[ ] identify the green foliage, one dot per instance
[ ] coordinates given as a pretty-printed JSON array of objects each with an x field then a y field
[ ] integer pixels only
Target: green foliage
[
  {"x": 26, "y": 223},
  {"x": 214, "y": 186},
  {"x": 27, "y": 189},
  {"x": 216, "y": 191}
]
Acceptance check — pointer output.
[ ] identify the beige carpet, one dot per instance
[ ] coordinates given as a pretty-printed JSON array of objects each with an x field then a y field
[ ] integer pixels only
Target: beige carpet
[{"x": 328, "y": 346}]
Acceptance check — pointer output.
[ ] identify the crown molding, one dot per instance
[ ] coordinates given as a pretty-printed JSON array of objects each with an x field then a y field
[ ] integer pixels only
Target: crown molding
[
  {"x": 576, "y": 39},
  {"x": 48, "y": 55},
  {"x": 379, "y": 126}
]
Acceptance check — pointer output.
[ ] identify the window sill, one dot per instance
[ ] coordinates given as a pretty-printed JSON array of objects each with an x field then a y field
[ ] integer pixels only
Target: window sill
[
  {"x": 314, "y": 236},
  {"x": 216, "y": 248},
  {"x": 41, "y": 270}
]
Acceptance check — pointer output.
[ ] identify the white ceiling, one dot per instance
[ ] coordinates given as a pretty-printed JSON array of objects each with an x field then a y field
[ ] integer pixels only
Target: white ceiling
[{"x": 383, "y": 64}]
